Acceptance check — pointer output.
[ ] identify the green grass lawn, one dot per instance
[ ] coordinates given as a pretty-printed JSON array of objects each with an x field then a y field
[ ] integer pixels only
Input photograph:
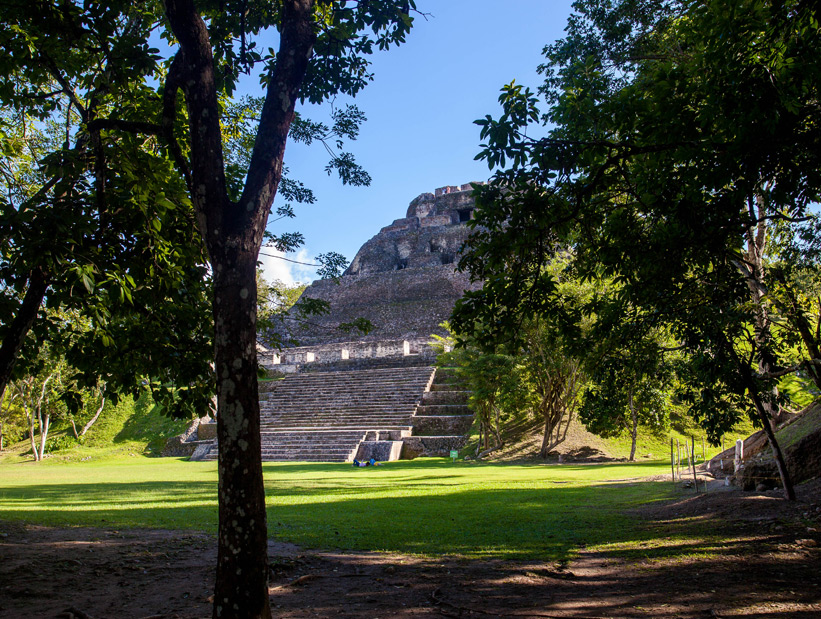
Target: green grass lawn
[{"x": 428, "y": 506}]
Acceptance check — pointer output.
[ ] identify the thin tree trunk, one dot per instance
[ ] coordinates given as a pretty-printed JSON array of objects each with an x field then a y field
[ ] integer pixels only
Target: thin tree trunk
[
  {"x": 93, "y": 420},
  {"x": 43, "y": 423},
  {"x": 30, "y": 420},
  {"x": 498, "y": 429},
  {"x": 768, "y": 412},
  {"x": 44, "y": 426},
  {"x": 20, "y": 326},
  {"x": 634, "y": 425},
  {"x": 546, "y": 443},
  {"x": 783, "y": 472}
]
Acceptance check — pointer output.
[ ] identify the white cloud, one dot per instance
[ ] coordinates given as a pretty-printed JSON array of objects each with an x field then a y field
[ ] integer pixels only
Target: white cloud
[{"x": 290, "y": 271}]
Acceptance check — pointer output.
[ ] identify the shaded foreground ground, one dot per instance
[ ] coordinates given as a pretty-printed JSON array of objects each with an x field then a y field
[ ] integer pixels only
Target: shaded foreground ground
[{"x": 721, "y": 554}]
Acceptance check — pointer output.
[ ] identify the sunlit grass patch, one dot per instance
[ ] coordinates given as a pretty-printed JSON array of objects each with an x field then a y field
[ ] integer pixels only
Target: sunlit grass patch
[{"x": 428, "y": 506}]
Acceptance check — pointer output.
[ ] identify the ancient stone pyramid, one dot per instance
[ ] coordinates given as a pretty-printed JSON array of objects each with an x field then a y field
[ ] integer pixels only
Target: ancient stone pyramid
[
  {"x": 379, "y": 395},
  {"x": 403, "y": 280}
]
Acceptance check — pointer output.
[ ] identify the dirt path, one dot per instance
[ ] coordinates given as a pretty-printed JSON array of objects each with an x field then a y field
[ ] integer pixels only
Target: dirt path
[{"x": 736, "y": 555}]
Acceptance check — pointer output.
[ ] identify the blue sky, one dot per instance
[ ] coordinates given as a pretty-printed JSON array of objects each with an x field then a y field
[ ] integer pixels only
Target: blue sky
[{"x": 420, "y": 108}]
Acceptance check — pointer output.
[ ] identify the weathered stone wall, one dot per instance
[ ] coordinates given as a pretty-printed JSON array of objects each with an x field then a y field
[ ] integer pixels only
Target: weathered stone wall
[
  {"x": 415, "y": 446},
  {"x": 407, "y": 304},
  {"x": 431, "y": 234},
  {"x": 338, "y": 351},
  {"x": 441, "y": 425},
  {"x": 183, "y": 445},
  {"x": 381, "y": 451}
]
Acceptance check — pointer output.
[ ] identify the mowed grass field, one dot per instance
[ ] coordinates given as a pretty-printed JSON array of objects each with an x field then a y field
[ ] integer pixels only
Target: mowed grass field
[{"x": 427, "y": 506}]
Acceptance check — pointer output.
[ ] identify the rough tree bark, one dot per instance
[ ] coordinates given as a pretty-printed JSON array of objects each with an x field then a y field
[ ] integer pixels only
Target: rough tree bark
[
  {"x": 233, "y": 234},
  {"x": 20, "y": 326}
]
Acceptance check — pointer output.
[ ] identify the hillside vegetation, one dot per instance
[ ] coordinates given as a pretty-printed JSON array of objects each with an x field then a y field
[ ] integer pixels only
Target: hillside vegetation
[
  {"x": 523, "y": 439},
  {"x": 128, "y": 427}
]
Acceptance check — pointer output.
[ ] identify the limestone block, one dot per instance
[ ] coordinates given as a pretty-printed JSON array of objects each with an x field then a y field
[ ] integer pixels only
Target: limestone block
[
  {"x": 412, "y": 447},
  {"x": 176, "y": 447},
  {"x": 441, "y": 445},
  {"x": 381, "y": 451},
  {"x": 207, "y": 431}
]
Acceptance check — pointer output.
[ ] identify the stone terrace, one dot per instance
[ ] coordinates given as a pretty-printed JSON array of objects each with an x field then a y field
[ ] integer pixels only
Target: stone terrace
[{"x": 324, "y": 416}]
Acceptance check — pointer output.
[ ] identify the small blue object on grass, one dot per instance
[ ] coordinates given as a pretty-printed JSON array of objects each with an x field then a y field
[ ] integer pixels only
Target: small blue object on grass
[
  {"x": 370, "y": 462},
  {"x": 454, "y": 454}
]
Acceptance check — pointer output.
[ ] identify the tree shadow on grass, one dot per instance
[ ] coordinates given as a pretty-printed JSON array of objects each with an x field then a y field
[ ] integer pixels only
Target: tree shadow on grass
[
  {"x": 582, "y": 548},
  {"x": 156, "y": 504},
  {"x": 505, "y": 523}
]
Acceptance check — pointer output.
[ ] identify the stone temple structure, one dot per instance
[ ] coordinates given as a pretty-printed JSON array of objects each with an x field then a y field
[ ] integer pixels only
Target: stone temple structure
[
  {"x": 403, "y": 280},
  {"x": 376, "y": 395}
]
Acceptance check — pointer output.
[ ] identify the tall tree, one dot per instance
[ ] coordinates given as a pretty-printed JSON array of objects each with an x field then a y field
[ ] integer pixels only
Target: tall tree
[
  {"x": 676, "y": 131},
  {"x": 323, "y": 51},
  {"x": 233, "y": 230}
]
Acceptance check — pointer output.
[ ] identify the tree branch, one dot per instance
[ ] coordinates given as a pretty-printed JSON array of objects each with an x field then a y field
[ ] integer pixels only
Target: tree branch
[
  {"x": 265, "y": 170},
  {"x": 207, "y": 162}
]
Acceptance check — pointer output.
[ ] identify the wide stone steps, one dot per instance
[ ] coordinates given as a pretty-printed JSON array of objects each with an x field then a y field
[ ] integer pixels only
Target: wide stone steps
[
  {"x": 351, "y": 365},
  {"x": 442, "y": 409},
  {"x": 370, "y": 413},
  {"x": 323, "y": 416},
  {"x": 302, "y": 425},
  {"x": 443, "y": 419},
  {"x": 363, "y": 426},
  {"x": 446, "y": 397},
  {"x": 296, "y": 404}
]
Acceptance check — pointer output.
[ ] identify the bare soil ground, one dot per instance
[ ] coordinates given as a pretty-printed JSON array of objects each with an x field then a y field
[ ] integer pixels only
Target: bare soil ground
[{"x": 735, "y": 554}]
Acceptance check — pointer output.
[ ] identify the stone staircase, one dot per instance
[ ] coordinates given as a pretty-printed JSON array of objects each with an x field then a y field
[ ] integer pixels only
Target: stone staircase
[
  {"x": 323, "y": 416},
  {"x": 383, "y": 412},
  {"x": 443, "y": 419}
]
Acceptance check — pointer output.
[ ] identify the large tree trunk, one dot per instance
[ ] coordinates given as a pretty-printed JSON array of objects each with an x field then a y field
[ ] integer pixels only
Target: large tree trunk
[
  {"x": 233, "y": 233},
  {"x": 20, "y": 326},
  {"x": 242, "y": 562}
]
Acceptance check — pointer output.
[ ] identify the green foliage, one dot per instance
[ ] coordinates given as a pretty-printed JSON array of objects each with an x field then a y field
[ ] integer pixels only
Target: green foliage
[
  {"x": 497, "y": 393},
  {"x": 104, "y": 216},
  {"x": 61, "y": 443},
  {"x": 679, "y": 161},
  {"x": 274, "y": 299}
]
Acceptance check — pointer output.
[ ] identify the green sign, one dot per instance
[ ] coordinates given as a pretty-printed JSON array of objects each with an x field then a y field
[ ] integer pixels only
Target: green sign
[{"x": 454, "y": 454}]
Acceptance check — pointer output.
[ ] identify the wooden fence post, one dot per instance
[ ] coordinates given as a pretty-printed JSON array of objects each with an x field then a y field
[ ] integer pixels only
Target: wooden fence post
[
  {"x": 672, "y": 460},
  {"x": 693, "y": 460}
]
